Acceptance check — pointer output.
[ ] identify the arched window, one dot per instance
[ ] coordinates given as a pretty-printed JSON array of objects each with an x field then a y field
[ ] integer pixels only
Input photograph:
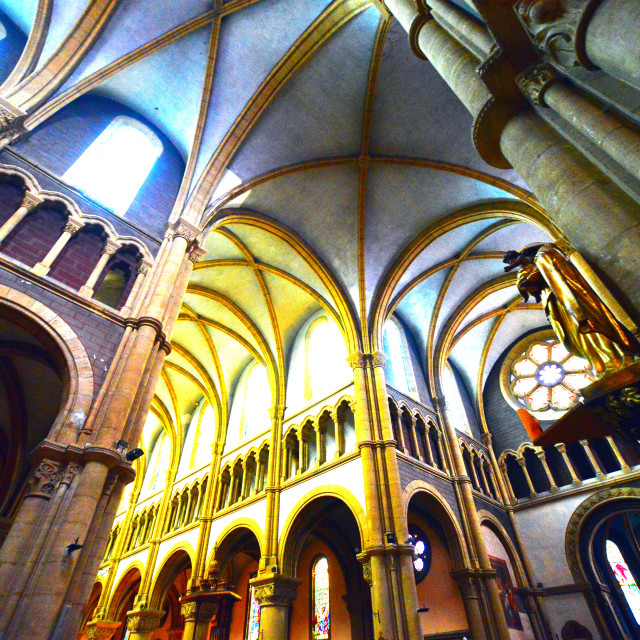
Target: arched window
[
  {"x": 251, "y": 404},
  {"x": 324, "y": 352},
  {"x": 625, "y": 578},
  {"x": 3, "y": 31},
  {"x": 394, "y": 348},
  {"x": 320, "y": 614},
  {"x": 253, "y": 614},
  {"x": 159, "y": 463},
  {"x": 116, "y": 164}
]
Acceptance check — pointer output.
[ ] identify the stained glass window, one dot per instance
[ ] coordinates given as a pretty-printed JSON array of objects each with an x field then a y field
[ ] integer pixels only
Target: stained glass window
[
  {"x": 115, "y": 165},
  {"x": 547, "y": 377},
  {"x": 624, "y": 577},
  {"x": 421, "y": 553},
  {"x": 253, "y": 616},
  {"x": 321, "y": 621}
]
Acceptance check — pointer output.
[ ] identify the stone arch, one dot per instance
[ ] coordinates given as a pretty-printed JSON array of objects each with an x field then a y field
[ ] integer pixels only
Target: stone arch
[
  {"x": 178, "y": 559},
  {"x": 55, "y": 330},
  {"x": 128, "y": 583},
  {"x": 299, "y": 517},
  {"x": 234, "y": 538},
  {"x": 443, "y": 513}
]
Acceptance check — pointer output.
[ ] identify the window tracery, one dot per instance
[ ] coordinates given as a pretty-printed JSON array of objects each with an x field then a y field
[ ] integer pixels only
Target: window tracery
[
  {"x": 547, "y": 377},
  {"x": 113, "y": 168},
  {"x": 421, "y": 553},
  {"x": 253, "y": 615}
]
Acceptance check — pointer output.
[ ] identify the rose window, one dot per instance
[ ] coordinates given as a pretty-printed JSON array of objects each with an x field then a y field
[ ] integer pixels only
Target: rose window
[{"x": 547, "y": 377}]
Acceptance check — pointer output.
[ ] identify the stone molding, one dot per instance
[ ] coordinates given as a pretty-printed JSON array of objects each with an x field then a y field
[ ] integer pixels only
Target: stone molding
[
  {"x": 360, "y": 360},
  {"x": 557, "y": 28},
  {"x": 184, "y": 229},
  {"x": 197, "y": 253}
]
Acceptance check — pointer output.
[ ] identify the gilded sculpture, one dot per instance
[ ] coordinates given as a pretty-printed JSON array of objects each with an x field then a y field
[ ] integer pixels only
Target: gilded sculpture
[{"x": 582, "y": 322}]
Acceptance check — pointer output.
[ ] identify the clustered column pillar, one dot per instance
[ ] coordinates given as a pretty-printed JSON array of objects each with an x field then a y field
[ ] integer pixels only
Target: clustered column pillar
[{"x": 570, "y": 188}]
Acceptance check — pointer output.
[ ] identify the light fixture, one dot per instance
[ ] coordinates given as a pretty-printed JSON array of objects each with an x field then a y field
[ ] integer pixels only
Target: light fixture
[
  {"x": 134, "y": 454},
  {"x": 121, "y": 445},
  {"x": 391, "y": 537},
  {"x": 74, "y": 546}
]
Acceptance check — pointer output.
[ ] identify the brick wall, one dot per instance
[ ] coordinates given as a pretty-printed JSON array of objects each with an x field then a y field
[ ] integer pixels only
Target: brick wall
[
  {"x": 99, "y": 335},
  {"x": 11, "y": 195},
  {"x": 409, "y": 472},
  {"x": 32, "y": 239},
  {"x": 78, "y": 258},
  {"x": 59, "y": 141}
]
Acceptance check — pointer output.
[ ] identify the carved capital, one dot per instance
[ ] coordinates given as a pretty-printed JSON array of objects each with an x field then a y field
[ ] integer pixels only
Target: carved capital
[
  {"x": 356, "y": 360},
  {"x": 535, "y": 81},
  {"x": 186, "y": 230},
  {"x": 72, "y": 226},
  {"x": 276, "y": 590},
  {"x": 557, "y": 28},
  {"x": 31, "y": 201},
  {"x": 70, "y": 473},
  {"x": 366, "y": 572},
  {"x": 110, "y": 248},
  {"x": 44, "y": 479},
  {"x": 189, "y": 610},
  {"x": 143, "y": 620},
  {"x": 143, "y": 269},
  {"x": 378, "y": 359},
  {"x": 359, "y": 360},
  {"x": 197, "y": 253},
  {"x": 11, "y": 117},
  {"x": 102, "y": 629}
]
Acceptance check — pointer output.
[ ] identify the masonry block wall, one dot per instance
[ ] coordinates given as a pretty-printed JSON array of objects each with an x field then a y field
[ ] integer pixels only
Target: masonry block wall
[
  {"x": 32, "y": 239},
  {"x": 99, "y": 335},
  {"x": 61, "y": 140},
  {"x": 76, "y": 261},
  {"x": 11, "y": 195}
]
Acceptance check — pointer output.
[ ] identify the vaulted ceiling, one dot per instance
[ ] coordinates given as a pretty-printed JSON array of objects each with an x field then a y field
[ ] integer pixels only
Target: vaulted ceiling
[{"x": 355, "y": 161}]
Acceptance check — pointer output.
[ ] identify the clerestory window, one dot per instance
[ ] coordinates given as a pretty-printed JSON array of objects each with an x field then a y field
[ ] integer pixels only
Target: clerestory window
[{"x": 116, "y": 164}]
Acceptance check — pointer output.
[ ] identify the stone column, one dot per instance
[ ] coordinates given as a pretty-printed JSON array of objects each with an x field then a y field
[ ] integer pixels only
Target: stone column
[
  {"x": 110, "y": 249},
  {"x": 275, "y": 593},
  {"x": 624, "y": 467},
  {"x": 543, "y": 86},
  {"x": 562, "y": 448},
  {"x": 321, "y": 449},
  {"x": 197, "y": 619},
  {"x": 414, "y": 438},
  {"x": 143, "y": 269},
  {"x": 587, "y": 33},
  {"x": 523, "y": 465},
  {"x": 339, "y": 431},
  {"x": 42, "y": 268},
  {"x": 29, "y": 204},
  {"x": 569, "y": 187},
  {"x": 543, "y": 459},
  {"x": 592, "y": 459},
  {"x": 471, "y": 602},
  {"x": 430, "y": 459},
  {"x": 141, "y": 622}
]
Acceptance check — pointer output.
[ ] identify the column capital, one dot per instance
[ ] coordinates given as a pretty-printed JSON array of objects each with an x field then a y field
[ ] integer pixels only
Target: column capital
[
  {"x": 275, "y": 589},
  {"x": 557, "y": 28},
  {"x": 73, "y": 225},
  {"x": 197, "y": 253},
  {"x": 110, "y": 248},
  {"x": 359, "y": 360},
  {"x": 143, "y": 268},
  {"x": 534, "y": 82},
  {"x": 183, "y": 229},
  {"x": 11, "y": 117},
  {"x": 44, "y": 479},
  {"x": 143, "y": 620},
  {"x": 102, "y": 629},
  {"x": 31, "y": 200}
]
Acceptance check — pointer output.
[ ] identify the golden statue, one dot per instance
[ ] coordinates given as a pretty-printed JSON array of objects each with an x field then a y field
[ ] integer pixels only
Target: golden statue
[{"x": 582, "y": 322}]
